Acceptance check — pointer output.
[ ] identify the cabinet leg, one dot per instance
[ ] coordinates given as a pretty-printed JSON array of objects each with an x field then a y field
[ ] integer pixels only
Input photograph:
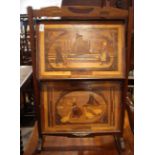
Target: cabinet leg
[
  {"x": 120, "y": 143},
  {"x": 40, "y": 145},
  {"x": 21, "y": 144}
]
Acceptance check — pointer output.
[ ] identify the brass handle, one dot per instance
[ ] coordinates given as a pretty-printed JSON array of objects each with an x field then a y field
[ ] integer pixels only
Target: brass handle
[{"x": 81, "y": 134}]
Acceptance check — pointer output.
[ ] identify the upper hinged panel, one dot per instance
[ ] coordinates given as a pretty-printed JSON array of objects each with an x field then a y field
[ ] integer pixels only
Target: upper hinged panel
[{"x": 79, "y": 51}]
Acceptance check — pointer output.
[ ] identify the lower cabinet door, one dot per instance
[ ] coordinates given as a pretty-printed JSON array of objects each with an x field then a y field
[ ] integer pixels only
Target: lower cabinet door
[{"x": 81, "y": 106}]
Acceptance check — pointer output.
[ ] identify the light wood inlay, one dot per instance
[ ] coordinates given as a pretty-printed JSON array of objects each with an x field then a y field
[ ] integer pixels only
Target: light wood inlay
[
  {"x": 81, "y": 51},
  {"x": 81, "y": 107}
]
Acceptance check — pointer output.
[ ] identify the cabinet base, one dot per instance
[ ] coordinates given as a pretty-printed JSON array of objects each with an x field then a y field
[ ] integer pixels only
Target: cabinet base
[{"x": 119, "y": 141}]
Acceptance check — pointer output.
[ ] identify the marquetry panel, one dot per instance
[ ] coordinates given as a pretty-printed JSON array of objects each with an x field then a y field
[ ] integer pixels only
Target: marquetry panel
[
  {"x": 81, "y": 106},
  {"x": 82, "y": 50}
]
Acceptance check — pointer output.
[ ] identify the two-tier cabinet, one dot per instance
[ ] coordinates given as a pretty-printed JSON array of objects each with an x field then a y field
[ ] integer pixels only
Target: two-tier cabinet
[{"x": 79, "y": 75}]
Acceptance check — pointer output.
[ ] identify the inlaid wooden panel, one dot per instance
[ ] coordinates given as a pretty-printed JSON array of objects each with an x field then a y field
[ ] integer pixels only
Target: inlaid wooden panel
[
  {"x": 76, "y": 106},
  {"x": 80, "y": 50}
]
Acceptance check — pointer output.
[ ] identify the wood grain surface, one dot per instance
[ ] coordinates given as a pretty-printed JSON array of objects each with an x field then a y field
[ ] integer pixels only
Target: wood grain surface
[
  {"x": 81, "y": 107},
  {"x": 80, "y": 50},
  {"x": 84, "y": 12}
]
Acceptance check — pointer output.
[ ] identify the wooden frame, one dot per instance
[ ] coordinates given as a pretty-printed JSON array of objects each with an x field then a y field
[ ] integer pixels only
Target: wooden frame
[
  {"x": 92, "y": 13},
  {"x": 68, "y": 51}
]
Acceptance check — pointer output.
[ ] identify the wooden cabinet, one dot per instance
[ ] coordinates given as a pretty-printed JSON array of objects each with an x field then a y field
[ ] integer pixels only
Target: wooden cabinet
[
  {"x": 84, "y": 53},
  {"x": 80, "y": 67}
]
